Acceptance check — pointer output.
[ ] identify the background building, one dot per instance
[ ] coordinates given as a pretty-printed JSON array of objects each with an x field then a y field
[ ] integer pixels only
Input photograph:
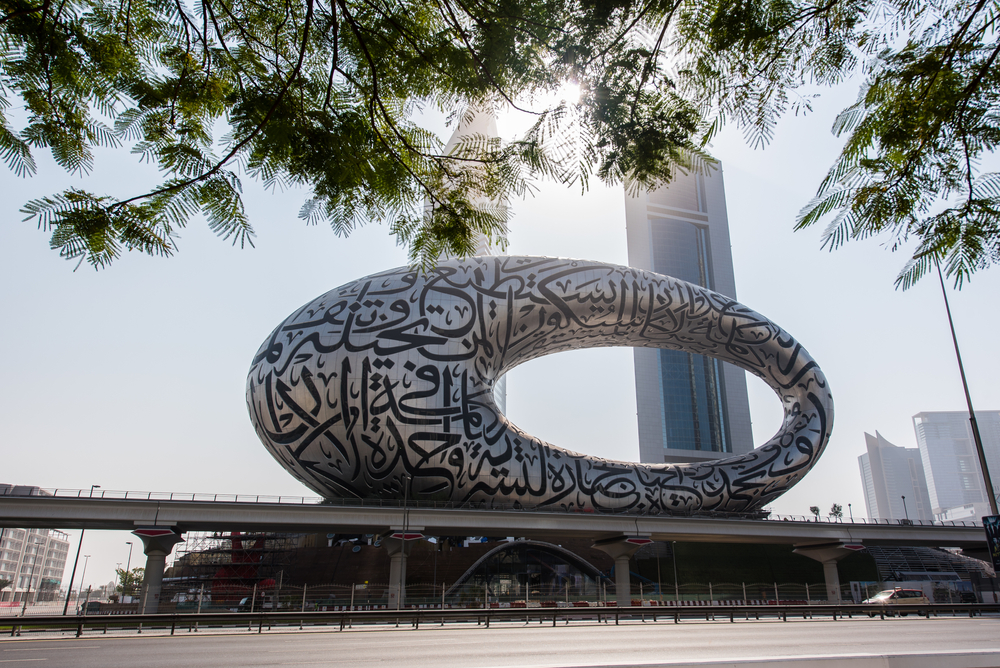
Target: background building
[
  {"x": 951, "y": 463},
  {"x": 690, "y": 407},
  {"x": 35, "y": 556},
  {"x": 889, "y": 473},
  {"x": 479, "y": 124},
  {"x": 33, "y": 560}
]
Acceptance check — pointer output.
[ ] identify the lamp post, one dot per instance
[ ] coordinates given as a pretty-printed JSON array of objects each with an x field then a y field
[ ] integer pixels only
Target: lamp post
[
  {"x": 31, "y": 573},
  {"x": 86, "y": 560},
  {"x": 128, "y": 571},
  {"x": 850, "y": 512},
  {"x": 673, "y": 553},
  {"x": 905, "y": 512},
  {"x": 69, "y": 588},
  {"x": 406, "y": 517},
  {"x": 968, "y": 400}
]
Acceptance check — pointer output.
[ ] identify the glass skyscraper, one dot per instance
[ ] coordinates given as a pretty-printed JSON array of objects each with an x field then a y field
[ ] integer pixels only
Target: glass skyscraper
[
  {"x": 951, "y": 463},
  {"x": 690, "y": 407},
  {"x": 889, "y": 473}
]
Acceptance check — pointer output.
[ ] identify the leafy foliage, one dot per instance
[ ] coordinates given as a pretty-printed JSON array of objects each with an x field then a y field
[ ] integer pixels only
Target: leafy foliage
[
  {"x": 836, "y": 511},
  {"x": 4, "y": 583},
  {"x": 925, "y": 118},
  {"x": 129, "y": 583},
  {"x": 323, "y": 93}
]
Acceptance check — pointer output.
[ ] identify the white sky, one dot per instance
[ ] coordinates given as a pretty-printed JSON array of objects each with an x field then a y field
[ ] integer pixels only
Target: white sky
[{"x": 132, "y": 378}]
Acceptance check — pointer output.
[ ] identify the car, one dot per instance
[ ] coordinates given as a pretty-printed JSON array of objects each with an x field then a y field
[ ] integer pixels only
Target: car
[
  {"x": 891, "y": 598},
  {"x": 89, "y": 608}
]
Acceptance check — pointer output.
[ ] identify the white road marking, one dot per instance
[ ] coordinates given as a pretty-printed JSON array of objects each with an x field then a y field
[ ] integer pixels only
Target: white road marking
[
  {"x": 19, "y": 660},
  {"x": 46, "y": 649}
]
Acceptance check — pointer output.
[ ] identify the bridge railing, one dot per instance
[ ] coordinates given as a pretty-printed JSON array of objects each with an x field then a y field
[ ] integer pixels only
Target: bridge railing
[
  {"x": 128, "y": 495},
  {"x": 255, "y": 622}
]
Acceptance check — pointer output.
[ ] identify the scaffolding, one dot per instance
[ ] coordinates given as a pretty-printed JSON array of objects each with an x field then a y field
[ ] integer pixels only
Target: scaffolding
[
  {"x": 902, "y": 563},
  {"x": 224, "y": 569}
]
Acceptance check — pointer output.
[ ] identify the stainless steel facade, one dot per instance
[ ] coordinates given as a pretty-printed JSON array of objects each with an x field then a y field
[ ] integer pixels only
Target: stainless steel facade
[
  {"x": 382, "y": 388},
  {"x": 477, "y": 125},
  {"x": 690, "y": 407}
]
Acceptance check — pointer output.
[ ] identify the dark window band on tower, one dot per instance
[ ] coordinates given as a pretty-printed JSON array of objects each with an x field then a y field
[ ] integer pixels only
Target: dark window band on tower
[
  {"x": 691, "y": 386},
  {"x": 687, "y": 403}
]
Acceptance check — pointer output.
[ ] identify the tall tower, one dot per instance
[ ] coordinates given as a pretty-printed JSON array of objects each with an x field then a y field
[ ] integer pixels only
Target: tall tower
[
  {"x": 691, "y": 408},
  {"x": 484, "y": 124},
  {"x": 951, "y": 463},
  {"x": 889, "y": 473}
]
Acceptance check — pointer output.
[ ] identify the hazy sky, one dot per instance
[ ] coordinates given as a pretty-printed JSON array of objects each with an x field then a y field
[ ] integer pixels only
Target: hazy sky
[{"x": 133, "y": 377}]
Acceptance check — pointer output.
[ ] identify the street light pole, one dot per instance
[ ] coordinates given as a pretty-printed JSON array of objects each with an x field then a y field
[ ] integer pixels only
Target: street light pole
[
  {"x": 406, "y": 517},
  {"x": 850, "y": 512},
  {"x": 990, "y": 496},
  {"x": 86, "y": 560},
  {"x": 905, "y": 512},
  {"x": 69, "y": 588},
  {"x": 31, "y": 573},
  {"x": 673, "y": 553},
  {"x": 128, "y": 571}
]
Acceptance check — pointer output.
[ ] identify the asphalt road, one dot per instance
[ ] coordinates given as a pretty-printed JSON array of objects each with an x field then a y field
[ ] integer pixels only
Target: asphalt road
[{"x": 580, "y": 644}]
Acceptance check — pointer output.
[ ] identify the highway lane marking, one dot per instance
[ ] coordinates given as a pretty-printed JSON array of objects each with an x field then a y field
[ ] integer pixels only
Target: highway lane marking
[
  {"x": 45, "y": 649},
  {"x": 20, "y": 660},
  {"x": 341, "y": 646},
  {"x": 374, "y": 659}
]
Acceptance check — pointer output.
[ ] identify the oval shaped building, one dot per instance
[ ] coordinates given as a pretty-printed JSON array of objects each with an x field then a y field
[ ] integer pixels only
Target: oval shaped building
[{"x": 382, "y": 388}]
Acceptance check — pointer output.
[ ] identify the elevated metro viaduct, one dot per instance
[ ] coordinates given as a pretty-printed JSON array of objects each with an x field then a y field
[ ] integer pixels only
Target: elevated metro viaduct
[{"x": 160, "y": 524}]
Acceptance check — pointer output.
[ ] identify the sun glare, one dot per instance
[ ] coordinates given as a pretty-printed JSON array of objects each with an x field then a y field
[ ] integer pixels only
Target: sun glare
[{"x": 569, "y": 92}]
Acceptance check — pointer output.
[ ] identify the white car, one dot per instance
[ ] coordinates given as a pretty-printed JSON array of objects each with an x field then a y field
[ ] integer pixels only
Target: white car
[{"x": 897, "y": 597}]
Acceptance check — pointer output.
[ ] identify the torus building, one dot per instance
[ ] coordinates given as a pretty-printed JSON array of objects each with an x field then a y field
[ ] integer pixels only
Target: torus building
[{"x": 691, "y": 407}]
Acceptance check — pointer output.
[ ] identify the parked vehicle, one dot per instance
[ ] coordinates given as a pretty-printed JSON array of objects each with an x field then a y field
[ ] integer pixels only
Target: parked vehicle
[
  {"x": 891, "y": 598},
  {"x": 107, "y": 608},
  {"x": 89, "y": 608},
  {"x": 262, "y": 603}
]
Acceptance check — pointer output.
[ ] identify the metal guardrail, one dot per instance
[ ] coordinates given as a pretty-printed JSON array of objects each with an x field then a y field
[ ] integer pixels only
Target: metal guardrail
[
  {"x": 417, "y": 616},
  {"x": 123, "y": 495}
]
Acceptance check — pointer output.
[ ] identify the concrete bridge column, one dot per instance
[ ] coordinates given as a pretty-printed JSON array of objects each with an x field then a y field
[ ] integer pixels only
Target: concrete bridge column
[
  {"x": 157, "y": 542},
  {"x": 828, "y": 555},
  {"x": 620, "y": 549},
  {"x": 398, "y": 550}
]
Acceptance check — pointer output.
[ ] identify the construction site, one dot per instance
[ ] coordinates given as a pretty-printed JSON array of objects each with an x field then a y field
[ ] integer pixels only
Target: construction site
[{"x": 260, "y": 571}]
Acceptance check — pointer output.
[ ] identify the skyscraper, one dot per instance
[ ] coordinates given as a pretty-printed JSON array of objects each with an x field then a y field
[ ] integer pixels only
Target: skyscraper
[
  {"x": 480, "y": 123},
  {"x": 690, "y": 407},
  {"x": 889, "y": 473},
  {"x": 951, "y": 463}
]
